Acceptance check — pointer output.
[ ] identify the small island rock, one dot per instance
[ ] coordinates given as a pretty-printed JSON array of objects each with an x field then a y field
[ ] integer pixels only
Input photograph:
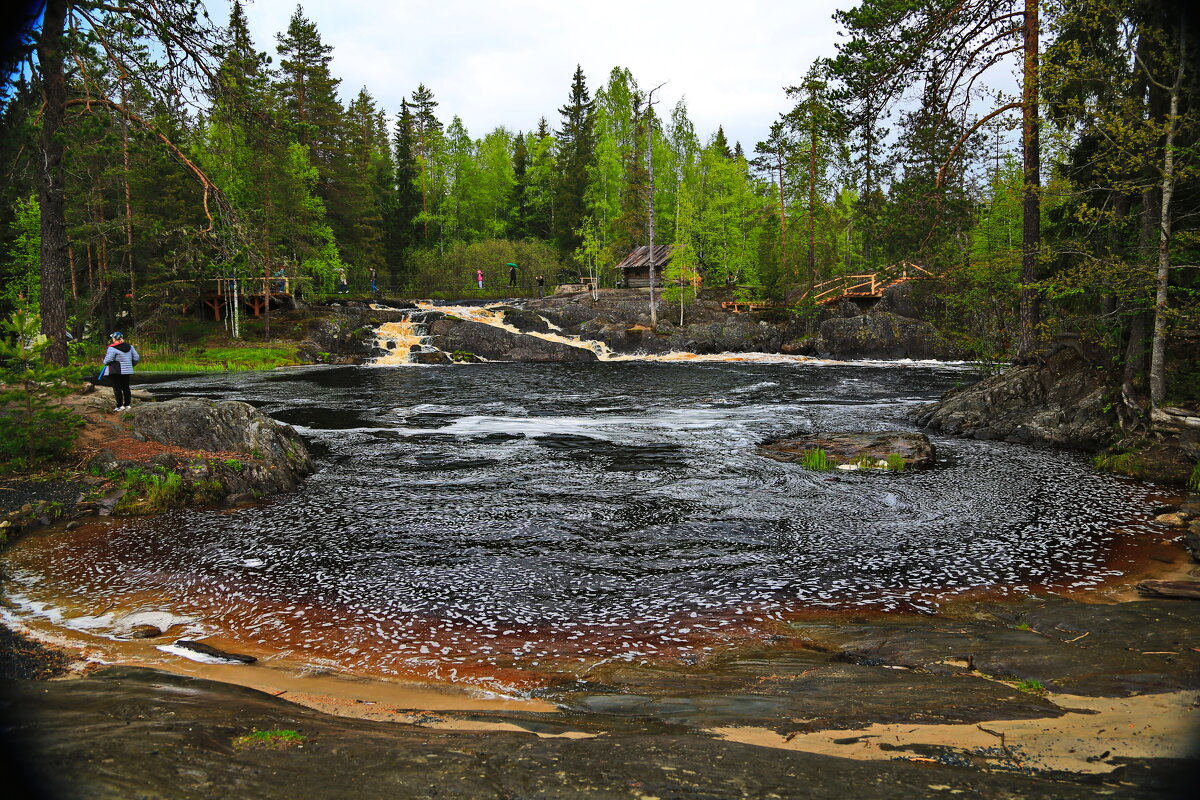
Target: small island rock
[{"x": 849, "y": 447}]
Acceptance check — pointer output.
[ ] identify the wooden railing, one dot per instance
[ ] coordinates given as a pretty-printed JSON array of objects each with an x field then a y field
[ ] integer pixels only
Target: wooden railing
[{"x": 866, "y": 285}]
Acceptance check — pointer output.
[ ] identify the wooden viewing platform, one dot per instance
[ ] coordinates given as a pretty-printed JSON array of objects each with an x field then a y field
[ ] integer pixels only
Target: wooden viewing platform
[
  {"x": 867, "y": 286},
  {"x": 738, "y": 306},
  {"x": 254, "y": 293}
]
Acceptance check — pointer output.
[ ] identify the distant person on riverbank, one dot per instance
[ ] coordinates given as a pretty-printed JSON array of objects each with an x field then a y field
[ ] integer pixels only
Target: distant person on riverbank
[
  {"x": 479, "y": 277},
  {"x": 120, "y": 359},
  {"x": 280, "y": 281},
  {"x": 374, "y": 287},
  {"x": 343, "y": 286},
  {"x": 512, "y": 275},
  {"x": 541, "y": 284}
]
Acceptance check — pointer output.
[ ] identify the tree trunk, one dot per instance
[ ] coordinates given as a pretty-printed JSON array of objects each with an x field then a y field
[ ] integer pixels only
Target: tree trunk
[
  {"x": 50, "y": 179},
  {"x": 1158, "y": 343},
  {"x": 1031, "y": 229},
  {"x": 812, "y": 206},
  {"x": 129, "y": 263}
]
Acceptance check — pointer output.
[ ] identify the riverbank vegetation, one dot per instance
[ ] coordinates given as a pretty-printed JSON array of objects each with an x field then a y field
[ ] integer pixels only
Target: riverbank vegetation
[{"x": 179, "y": 152}]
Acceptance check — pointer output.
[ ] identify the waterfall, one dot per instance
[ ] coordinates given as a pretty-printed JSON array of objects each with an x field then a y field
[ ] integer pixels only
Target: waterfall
[{"x": 399, "y": 340}]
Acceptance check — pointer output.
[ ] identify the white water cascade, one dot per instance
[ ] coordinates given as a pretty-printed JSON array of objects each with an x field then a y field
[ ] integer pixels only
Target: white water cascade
[{"x": 403, "y": 338}]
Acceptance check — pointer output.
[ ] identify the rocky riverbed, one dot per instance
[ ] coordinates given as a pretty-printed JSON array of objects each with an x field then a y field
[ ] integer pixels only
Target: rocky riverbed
[{"x": 1043, "y": 698}]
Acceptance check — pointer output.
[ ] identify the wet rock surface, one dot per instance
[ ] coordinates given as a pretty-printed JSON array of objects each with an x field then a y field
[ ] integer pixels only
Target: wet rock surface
[
  {"x": 129, "y": 732},
  {"x": 1060, "y": 400},
  {"x": 1076, "y": 648},
  {"x": 621, "y": 319},
  {"x": 849, "y": 447},
  {"x": 881, "y": 334},
  {"x": 450, "y": 334}
]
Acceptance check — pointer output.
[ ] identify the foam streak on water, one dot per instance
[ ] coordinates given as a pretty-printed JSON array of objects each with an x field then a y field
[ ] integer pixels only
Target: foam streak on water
[{"x": 472, "y": 520}]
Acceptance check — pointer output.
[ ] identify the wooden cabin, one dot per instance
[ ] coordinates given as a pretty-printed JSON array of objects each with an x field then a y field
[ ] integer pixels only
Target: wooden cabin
[{"x": 635, "y": 269}]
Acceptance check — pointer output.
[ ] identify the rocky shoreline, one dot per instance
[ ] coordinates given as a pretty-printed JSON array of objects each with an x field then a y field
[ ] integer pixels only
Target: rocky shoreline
[
  {"x": 1039, "y": 698},
  {"x": 186, "y": 451}
]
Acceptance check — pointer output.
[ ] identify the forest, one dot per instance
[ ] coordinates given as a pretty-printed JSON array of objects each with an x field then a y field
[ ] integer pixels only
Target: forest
[{"x": 148, "y": 150}]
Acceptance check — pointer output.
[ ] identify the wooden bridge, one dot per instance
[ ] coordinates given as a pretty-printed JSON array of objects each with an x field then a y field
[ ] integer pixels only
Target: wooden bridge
[
  {"x": 867, "y": 286},
  {"x": 254, "y": 293}
]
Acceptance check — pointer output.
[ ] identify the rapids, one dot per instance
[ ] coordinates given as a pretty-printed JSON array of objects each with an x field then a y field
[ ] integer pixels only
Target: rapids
[{"x": 471, "y": 519}]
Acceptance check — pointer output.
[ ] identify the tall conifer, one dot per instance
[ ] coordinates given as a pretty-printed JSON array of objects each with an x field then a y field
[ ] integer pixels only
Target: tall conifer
[{"x": 576, "y": 146}]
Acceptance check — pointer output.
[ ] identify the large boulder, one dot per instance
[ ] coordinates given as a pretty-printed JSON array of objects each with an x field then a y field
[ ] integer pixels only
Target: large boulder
[
  {"x": 451, "y": 334},
  {"x": 851, "y": 447},
  {"x": 221, "y": 426},
  {"x": 1061, "y": 399},
  {"x": 252, "y": 455},
  {"x": 880, "y": 335}
]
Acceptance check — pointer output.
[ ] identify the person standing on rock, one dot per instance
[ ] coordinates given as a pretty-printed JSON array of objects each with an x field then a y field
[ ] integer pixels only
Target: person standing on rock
[
  {"x": 541, "y": 284},
  {"x": 479, "y": 277},
  {"x": 343, "y": 285},
  {"x": 512, "y": 275},
  {"x": 120, "y": 359}
]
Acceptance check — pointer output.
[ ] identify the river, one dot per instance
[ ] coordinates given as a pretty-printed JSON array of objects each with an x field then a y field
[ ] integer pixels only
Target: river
[{"x": 472, "y": 522}]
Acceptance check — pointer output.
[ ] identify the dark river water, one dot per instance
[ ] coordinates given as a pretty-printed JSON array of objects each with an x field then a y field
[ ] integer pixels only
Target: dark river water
[{"x": 506, "y": 513}]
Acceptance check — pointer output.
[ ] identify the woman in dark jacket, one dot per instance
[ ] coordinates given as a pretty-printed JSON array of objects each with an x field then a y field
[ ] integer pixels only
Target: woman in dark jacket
[{"x": 120, "y": 358}]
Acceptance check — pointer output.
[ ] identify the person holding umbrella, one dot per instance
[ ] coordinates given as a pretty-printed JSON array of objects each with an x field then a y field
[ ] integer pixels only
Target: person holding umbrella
[{"x": 512, "y": 274}]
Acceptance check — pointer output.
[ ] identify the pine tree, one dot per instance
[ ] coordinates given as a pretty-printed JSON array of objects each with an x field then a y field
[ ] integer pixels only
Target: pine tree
[{"x": 576, "y": 147}]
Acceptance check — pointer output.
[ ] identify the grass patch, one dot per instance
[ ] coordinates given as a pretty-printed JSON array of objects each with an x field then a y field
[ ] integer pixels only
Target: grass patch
[
  {"x": 816, "y": 460},
  {"x": 219, "y": 359},
  {"x": 1121, "y": 463},
  {"x": 268, "y": 740},
  {"x": 1033, "y": 687},
  {"x": 1193, "y": 481},
  {"x": 150, "y": 492},
  {"x": 1021, "y": 626},
  {"x": 895, "y": 462}
]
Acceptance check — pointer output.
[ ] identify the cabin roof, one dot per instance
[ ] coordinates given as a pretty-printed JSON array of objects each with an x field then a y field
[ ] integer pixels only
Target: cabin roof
[{"x": 640, "y": 257}]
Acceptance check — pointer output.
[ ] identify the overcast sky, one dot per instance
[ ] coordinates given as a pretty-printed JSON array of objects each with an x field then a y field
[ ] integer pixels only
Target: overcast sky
[{"x": 509, "y": 62}]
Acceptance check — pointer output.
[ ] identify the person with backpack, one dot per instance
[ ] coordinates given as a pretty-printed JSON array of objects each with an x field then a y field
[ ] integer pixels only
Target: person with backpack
[{"x": 119, "y": 360}]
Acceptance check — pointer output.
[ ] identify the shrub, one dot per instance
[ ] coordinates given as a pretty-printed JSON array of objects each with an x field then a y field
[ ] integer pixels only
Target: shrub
[
  {"x": 895, "y": 462},
  {"x": 1193, "y": 481},
  {"x": 33, "y": 429}
]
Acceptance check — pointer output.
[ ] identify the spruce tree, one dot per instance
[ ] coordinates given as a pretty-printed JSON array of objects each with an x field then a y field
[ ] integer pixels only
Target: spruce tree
[
  {"x": 576, "y": 147},
  {"x": 519, "y": 226},
  {"x": 402, "y": 227}
]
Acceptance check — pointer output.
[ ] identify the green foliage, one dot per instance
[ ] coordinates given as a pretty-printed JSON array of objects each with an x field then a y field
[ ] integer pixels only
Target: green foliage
[
  {"x": 453, "y": 270},
  {"x": 1193, "y": 481},
  {"x": 462, "y": 356},
  {"x": 277, "y": 739},
  {"x": 816, "y": 460},
  {"x": 896, "y": 462},
  {"x": 1130, "y": 464},
  {"x": 150, "y": 491},
  {"x": 234, "y": 464},
  {"x": 20, "y": 271},
  {"x": 34, "y": 430},
  {"x": 1032, "y": 687}
]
